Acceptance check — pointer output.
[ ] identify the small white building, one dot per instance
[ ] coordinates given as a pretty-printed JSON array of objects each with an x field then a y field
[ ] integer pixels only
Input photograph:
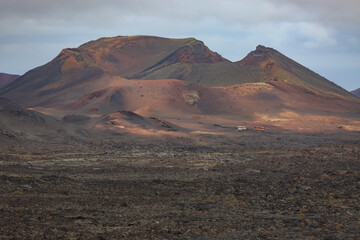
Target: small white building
[{"x": 241, "y": 128}]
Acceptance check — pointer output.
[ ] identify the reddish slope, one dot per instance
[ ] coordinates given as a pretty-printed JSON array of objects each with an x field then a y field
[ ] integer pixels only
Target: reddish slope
[
  {"x": 185, "y": 104},
  {"x": 119, "y": 56},
  {"x": 267, "y": 64},
  {"x": 109, "y": 75},
  {"x": 145, "y": 57}
]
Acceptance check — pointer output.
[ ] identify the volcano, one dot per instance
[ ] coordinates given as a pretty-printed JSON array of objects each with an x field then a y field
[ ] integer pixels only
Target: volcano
[
  {"x": 182, "y": 83},
  {"x": 267, "y": 64}
]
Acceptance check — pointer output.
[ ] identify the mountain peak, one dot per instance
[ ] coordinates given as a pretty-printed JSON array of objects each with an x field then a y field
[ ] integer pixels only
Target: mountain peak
[
  {"x": 153, "y": 58},
  {"x": 260, "y": 54},
  {"x": 270, "y": 65},
  {"x": 129, "y": 56},
  {"x": 261, "y": 48}
]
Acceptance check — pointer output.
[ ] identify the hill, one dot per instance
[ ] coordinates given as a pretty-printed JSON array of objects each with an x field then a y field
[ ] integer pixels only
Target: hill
[
  {"x": 17, "y": 123},
  {"x": 356, "y": 92},
  {"x": 184, "y": 85},
  {"x": 137, "y": 57},
  {"x": 6, "y": 79},
  {"x": 267, "y": 64},
  {"x": 146, "y": 57}
]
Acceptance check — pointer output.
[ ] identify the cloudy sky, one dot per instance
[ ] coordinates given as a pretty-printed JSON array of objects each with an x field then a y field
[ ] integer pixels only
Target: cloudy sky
[{"x": 323, "y": 35}]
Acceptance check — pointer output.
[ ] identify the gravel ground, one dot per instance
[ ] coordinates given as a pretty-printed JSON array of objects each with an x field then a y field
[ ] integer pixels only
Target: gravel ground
[{"x": 268, "y": 186}]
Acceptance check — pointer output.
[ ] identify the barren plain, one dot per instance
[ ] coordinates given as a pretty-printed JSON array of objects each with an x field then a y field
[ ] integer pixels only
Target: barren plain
[{"x": 250, "y": 185}]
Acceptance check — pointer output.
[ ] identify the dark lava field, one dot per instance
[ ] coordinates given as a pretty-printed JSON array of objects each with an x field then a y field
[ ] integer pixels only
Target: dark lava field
[{"x": 252, "y": 186}]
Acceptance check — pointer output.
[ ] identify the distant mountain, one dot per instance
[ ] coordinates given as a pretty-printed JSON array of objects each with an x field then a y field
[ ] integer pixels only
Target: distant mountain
[
  {"x": 356, "y": 92},
  {"x": 145, "y": 57},
  {"x": 137, "y": 57},
  {"x": 267, "y": 64},
  {"x": 6, "y": 79},
  {"x": 172, "y": 79}
]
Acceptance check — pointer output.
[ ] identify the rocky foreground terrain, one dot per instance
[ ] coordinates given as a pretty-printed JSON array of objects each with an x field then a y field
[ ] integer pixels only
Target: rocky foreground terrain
[{"x": 267, "y": 185}]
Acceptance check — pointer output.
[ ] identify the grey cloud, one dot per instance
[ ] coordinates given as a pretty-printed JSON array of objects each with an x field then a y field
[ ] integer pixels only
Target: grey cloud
[
  {"x": 249, "y": 11},
  {"x": 335, "y": 11},
  {"x": 230, "y": 27},
  {"x": 37, "y": 14}
]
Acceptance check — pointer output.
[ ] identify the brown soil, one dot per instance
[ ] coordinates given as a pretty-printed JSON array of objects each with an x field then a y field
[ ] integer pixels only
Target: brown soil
[{"x": 252, "y": 186}]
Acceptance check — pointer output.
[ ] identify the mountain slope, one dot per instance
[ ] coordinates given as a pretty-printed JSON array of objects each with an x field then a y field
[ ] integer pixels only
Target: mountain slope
[
  {"x": 6, "y": 79},
  {"x": 267, "y": 64},
  {"x": 356, "y": 92},
  {"x": 180, "y": 84},
  {"x": 19, "y": 123},
  {"x": 119, "y": 56},
  {"x": 77, "y": 70}
]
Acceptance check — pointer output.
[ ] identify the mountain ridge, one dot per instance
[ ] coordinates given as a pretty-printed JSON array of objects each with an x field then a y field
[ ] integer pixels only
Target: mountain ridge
[
  {"x": 172, "y": 79},
  {"x": 275, "y": 66},
  {"x": 148, "y": 57}
]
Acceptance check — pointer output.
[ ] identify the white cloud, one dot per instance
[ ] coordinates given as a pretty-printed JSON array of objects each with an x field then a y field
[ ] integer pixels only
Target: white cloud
[{"x": 315, "y": 35}]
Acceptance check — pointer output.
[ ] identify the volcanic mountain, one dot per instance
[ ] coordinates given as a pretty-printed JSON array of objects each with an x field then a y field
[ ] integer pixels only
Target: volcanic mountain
[
  {"x": 180, "y": 82},
  {"x": 6, "y": 79},
  {"x": 356, "y": 92},
  {"x": 267, "y": 64}
]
